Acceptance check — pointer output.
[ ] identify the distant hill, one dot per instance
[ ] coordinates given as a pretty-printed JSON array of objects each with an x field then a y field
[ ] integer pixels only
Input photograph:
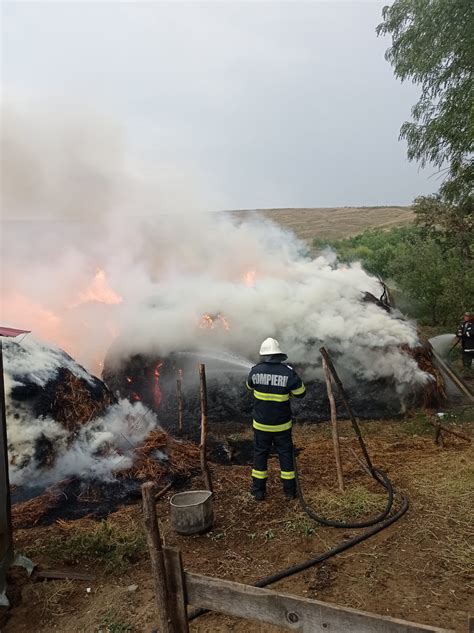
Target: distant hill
[{"x": 334, "y": 223}]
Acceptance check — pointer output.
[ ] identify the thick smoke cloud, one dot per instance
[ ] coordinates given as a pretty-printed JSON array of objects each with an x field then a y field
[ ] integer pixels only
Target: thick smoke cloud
[
  {"x": 76, "y": 202},
  {"x": 98, "y": 245}
]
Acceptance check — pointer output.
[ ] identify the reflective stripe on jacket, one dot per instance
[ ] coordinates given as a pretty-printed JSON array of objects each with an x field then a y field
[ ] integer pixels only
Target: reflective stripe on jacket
[{"x": 273, "y": 383}]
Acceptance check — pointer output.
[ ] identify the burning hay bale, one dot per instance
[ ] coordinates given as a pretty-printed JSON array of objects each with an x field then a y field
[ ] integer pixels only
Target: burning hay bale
[{"x": 377, "y": 394}]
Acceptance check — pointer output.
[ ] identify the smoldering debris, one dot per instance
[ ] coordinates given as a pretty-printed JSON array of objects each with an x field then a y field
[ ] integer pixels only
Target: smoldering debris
[{"x": 160, "y": 458}]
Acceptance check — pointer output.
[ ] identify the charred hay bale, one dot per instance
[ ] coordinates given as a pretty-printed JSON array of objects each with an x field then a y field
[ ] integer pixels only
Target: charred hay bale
[
  {"x": 66, "y": 397},
  {"x": 49, "y": 399}
]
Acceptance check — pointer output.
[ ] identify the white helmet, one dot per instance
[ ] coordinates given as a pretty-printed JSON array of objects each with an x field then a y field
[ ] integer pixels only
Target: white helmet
[{"x": 269, "y": 347}]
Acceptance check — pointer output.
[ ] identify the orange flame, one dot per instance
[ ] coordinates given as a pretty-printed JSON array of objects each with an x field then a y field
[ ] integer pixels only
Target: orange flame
[
  {"x": 156, "y": 387},
  {"x": 98, "y": 291},
  {"x": 211, "y": 322},
  {"x": 249, "y": 278}
]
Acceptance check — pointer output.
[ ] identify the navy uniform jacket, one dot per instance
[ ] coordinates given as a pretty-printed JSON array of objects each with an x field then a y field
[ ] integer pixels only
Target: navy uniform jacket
[
  {"x": 466, "y": 334},
  {"x": 272, "y": 384}
]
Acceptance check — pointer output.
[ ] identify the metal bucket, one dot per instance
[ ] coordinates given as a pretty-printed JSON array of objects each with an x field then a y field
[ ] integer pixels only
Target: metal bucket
[{"x": 191, "y": 512}]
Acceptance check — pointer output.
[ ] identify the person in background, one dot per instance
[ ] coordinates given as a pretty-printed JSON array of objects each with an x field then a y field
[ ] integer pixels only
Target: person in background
[
  {"x": 273, "y": 383},
  {"x": 465, "y": 333}
]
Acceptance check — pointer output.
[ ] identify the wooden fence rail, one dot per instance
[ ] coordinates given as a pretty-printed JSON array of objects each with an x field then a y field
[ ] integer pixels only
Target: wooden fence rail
[
  {"x": 287, "y": 611},
  {"x": 176, "y": 589}
]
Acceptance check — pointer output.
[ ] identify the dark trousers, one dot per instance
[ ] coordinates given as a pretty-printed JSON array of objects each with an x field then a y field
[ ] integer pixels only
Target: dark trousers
[
  {"x": 467, "y": 358},
  {"x": 262, "y": 444}
]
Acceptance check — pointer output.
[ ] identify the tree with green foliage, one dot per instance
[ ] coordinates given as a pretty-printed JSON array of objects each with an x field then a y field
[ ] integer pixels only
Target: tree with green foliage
[
  {"x": 433, "y": 45},
  {"x": 432, "y": 282}
]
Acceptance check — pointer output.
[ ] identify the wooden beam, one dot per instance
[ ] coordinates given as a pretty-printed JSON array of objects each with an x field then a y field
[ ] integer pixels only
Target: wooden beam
[
  {"x": 291, "y": 612},
  {"x": 206, "y": 473},
  {"x": 156, "y": 557},
  {"x": 179, "y": 398},
  {"x": 176, "y": 589},
  {"x": 335, "y": 433},
  {"x": 457, "y": 380},
  {"x": 59, "y": 574}
]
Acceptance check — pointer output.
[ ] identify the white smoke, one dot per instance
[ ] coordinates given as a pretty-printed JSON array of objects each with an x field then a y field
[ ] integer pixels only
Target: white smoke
[{"x": 76, "y": 200}]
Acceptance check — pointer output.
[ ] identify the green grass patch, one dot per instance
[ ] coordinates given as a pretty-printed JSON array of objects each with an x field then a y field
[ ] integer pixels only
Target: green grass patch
[
  {"x": 301, "y": 524},
  {"x": 416, "y": 424},
  {"x": 111, "y": 623},
  {"x": 355, "y": 502},
  {"x": 116, "y": 546}
]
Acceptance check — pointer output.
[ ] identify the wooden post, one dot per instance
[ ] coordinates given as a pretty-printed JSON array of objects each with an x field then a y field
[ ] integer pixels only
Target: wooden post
[
  {"x": 179, "y": 396},
  {"x": 438, "y": 438},
  {"x": 438, "y": 426},
  {"x": 156, "y": 556},
  {"x": 204, "y": 466},
  {"x": 176, "y": 589},
  {"x": 349, "y": 410},
  {"x": 335, "y": 433}
]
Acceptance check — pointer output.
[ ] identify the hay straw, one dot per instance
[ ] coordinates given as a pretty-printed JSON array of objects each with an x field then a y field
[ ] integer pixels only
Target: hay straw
[{"x": 75, "y": 405}]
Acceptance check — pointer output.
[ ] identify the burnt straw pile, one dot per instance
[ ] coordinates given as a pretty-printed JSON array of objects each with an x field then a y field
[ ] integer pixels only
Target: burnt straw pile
[{"x": 160, "y": 458}]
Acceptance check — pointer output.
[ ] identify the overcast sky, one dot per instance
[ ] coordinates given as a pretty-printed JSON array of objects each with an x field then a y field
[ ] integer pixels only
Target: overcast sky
[{"x": 272, "y": 104}]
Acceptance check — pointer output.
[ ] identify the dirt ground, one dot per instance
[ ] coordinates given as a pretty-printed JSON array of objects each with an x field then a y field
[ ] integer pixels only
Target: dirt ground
[
  {"x": 419, "y": 569},
  {"x": 335, "y": 223}
]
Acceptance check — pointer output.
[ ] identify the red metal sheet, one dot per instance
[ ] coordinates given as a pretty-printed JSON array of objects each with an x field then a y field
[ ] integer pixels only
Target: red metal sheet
[{"x": 11, "y": 331}]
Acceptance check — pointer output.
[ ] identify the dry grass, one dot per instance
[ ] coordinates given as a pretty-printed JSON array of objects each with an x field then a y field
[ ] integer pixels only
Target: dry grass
[
  {"x": 52, "y": 596},
  {"x": 448, "y": 498},
  {"x": 333, "y": 223}
]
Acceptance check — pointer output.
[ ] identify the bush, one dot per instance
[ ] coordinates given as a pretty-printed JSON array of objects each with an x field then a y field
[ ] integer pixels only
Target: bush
[{"x": 434, "y": 280}]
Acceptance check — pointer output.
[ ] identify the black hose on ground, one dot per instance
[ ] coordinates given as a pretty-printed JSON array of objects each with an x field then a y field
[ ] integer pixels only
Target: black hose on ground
[
  {"x": 377, "y": 523},
  {"x": 310, "y": 562},
  {"x": 342, "y": 547}
]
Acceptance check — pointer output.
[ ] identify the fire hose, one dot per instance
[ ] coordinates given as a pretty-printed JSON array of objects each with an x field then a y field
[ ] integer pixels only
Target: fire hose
[{"x": 377, "y": 523}]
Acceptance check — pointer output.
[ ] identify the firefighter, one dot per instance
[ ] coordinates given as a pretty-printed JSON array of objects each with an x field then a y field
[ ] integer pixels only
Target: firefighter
[
  {"x": 273, "y": 382},
  {"x": 465, "y": 333}
]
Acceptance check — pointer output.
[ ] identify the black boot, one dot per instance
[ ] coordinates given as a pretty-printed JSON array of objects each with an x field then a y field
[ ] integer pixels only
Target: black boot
[
  {"x": 259, "y": 495},
  {"x": 289, "y": 488},
  {"x": 258, "y": 491}
]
